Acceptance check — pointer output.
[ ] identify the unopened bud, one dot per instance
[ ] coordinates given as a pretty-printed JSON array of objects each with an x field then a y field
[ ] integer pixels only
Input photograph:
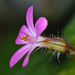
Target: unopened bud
[{"x": 72, "y": 53}]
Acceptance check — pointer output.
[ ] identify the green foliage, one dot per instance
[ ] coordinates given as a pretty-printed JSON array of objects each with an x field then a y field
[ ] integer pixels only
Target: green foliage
[
  {"x": 67, "y": 72},
  {"x": 69, "y": 31},
  {"x": 69, "y": 34}
]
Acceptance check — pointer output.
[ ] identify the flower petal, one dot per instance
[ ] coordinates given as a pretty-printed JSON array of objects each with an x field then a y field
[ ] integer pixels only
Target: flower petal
[
  {"x": 40, "y": 25},
  {"x": 27, "y": 57},
  {"x": 29, "y": 19},
  {"x": 23, "y": 31},
  {"x": 19, "y": 54}
]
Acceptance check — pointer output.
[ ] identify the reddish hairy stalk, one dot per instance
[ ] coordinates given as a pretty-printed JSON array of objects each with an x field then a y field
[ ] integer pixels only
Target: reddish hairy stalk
[{"x": 70, "y": 47}]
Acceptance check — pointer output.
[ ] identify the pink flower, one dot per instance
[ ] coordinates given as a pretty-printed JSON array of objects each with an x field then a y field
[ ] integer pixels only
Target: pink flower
[{"x": 29, "y": 36}]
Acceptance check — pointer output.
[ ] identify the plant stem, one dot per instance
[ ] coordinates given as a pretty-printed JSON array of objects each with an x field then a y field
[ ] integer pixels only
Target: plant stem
[{"x": 70, "y": 47}]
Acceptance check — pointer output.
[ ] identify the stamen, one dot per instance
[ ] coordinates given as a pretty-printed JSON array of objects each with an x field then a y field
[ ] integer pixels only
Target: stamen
[
  {"x": 22, "y": 37},
  {"x": 26, "y": 35},
  {"x": 25, "y": 38}
]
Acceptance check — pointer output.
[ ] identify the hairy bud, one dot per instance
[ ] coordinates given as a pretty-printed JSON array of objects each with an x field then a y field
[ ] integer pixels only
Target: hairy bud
[{"x": 56, "y": 44}]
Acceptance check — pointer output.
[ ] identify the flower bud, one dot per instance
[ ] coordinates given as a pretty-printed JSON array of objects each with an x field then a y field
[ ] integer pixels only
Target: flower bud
[
  {"x": 56, "y": 44},
  {"x": 72, "y": 53}
]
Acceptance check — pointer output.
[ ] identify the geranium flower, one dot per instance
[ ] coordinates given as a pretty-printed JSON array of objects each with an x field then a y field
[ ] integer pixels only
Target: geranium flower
[{"x": 30, "y": 36}]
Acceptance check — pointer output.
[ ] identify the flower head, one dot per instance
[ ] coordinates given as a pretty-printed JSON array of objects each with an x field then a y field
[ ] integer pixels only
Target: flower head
[{"x": 30, "y": 36}]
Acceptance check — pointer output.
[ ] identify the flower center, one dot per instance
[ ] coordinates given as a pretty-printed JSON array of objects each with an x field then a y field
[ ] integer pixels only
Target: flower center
[{"x": 28, "y": 38}]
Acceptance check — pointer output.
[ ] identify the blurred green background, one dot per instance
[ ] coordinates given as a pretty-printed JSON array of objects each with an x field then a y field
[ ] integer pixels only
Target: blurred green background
[{"x": 61, "y": 17}]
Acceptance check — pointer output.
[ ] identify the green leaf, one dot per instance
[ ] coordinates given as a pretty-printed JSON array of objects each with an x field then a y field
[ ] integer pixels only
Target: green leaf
[
  {"x": 67, "y": 72},
  {"x": 69, "y": 31}
]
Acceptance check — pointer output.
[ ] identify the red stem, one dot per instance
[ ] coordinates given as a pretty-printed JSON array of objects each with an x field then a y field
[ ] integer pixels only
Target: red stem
[{"x": 70, "y": 47}]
